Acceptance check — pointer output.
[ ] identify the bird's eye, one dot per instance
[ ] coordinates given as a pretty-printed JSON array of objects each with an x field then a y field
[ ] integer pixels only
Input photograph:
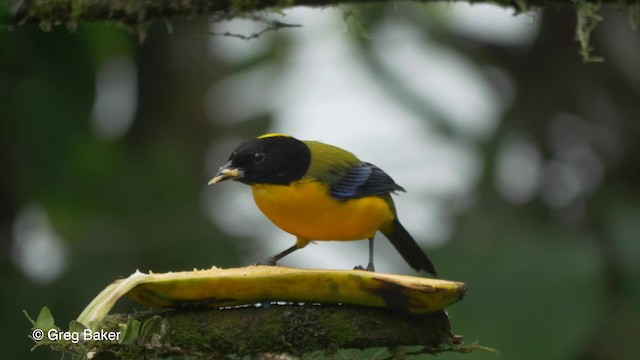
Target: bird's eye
[{"x": 258, "y": 158}]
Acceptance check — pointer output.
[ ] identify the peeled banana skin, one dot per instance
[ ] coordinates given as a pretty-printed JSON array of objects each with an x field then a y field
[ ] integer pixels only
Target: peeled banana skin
[
  {"x": 254, "y": 284},
  {"x": 262, "y": 284}
]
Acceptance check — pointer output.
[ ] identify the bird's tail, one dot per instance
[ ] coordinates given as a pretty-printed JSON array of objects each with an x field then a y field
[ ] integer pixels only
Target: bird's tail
[{"x": 408, "y": 248}]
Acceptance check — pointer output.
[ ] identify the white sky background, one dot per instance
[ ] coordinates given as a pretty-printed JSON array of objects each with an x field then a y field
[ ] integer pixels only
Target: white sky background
[{"x": 326, "y": 94}]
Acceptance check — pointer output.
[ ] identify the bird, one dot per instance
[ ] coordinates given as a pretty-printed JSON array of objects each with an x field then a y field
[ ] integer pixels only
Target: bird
[{"x": 320, "y": 192}]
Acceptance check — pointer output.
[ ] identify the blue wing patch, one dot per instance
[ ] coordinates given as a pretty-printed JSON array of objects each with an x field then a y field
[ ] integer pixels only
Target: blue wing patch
[{"x": 363, "y": 180}]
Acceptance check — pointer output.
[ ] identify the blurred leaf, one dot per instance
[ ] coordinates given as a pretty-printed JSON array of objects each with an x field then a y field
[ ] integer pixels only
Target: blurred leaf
[
  {"x": 4, "y": 12},
  {"x": 129, "y": 331},
  {"x": 76, "y": 327},
  {"x": 45, "y": 320},
  {"x": 151, "y": 327},
  {"x": 105, "y": 40},
  {"x": 33, "y": 322}
]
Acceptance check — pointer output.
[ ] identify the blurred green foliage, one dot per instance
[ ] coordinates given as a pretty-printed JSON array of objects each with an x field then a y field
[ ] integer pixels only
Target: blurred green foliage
[
  {"x": 124, "y": 204},
  {"x": 540, "y": 286}
]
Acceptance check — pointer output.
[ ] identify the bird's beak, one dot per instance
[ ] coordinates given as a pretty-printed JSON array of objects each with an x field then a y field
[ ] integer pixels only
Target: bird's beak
[{"x": 226, "y": 172}]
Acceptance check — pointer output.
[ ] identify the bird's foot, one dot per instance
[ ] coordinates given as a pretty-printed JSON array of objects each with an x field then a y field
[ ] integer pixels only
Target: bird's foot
[
  {"x": 268, "y": 262},
  {"x": 368, "y": 268}
]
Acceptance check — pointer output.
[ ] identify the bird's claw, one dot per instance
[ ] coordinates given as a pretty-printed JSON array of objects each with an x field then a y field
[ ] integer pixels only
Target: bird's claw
[
  {"x": 368, "y": 268},
  {"x": 268, "y": 262}
]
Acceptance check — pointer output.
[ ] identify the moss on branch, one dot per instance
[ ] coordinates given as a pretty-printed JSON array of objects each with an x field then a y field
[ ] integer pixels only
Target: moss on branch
[
  {"x": 137, "y": 12},
  {"x": 292, "y": 329}
]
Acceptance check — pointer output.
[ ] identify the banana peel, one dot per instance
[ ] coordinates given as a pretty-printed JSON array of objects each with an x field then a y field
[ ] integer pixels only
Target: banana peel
[{"x": 218, "y": 288}]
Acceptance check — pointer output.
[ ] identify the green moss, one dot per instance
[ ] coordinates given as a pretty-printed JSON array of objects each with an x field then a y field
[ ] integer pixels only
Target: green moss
[
  {"x": 240, "y": 7},
  {"x": 310, "y": 331},
  {"x": 587, "y": 20},
  {"x": 301, "y": 328},
  {"x": 339, "y": 322}
]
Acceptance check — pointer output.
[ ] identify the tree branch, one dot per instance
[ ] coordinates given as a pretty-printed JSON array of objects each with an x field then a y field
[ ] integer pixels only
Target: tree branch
[{"x": 73, "y": 12}]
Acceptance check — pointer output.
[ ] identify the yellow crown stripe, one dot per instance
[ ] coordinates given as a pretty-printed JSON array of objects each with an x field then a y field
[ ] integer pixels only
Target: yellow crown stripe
[{"x": 272, "y": 135}]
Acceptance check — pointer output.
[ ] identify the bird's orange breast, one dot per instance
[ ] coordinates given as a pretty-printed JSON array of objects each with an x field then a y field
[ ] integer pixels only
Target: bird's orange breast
[{"x": 306, "y": 210}]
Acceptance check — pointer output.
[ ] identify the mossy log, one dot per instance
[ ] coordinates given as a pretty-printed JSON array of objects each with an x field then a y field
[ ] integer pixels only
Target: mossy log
[{"x": 291, "y": 329}]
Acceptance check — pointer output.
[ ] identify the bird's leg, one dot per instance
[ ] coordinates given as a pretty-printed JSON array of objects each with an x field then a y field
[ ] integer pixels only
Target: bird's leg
[
  {"x": 370, "y": 265},
  {"x": 274, "y": 259}
]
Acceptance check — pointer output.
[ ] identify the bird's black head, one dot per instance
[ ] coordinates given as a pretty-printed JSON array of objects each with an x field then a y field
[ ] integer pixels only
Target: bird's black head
[{"x": 267, "y": 159}]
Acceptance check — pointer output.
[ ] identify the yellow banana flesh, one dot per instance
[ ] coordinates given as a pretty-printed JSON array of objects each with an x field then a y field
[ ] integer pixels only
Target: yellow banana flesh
[{"x": 249, "y": 285}]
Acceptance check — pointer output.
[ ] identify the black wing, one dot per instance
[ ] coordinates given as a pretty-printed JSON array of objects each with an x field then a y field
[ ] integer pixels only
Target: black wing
[{"x": 363, "y": 180}]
